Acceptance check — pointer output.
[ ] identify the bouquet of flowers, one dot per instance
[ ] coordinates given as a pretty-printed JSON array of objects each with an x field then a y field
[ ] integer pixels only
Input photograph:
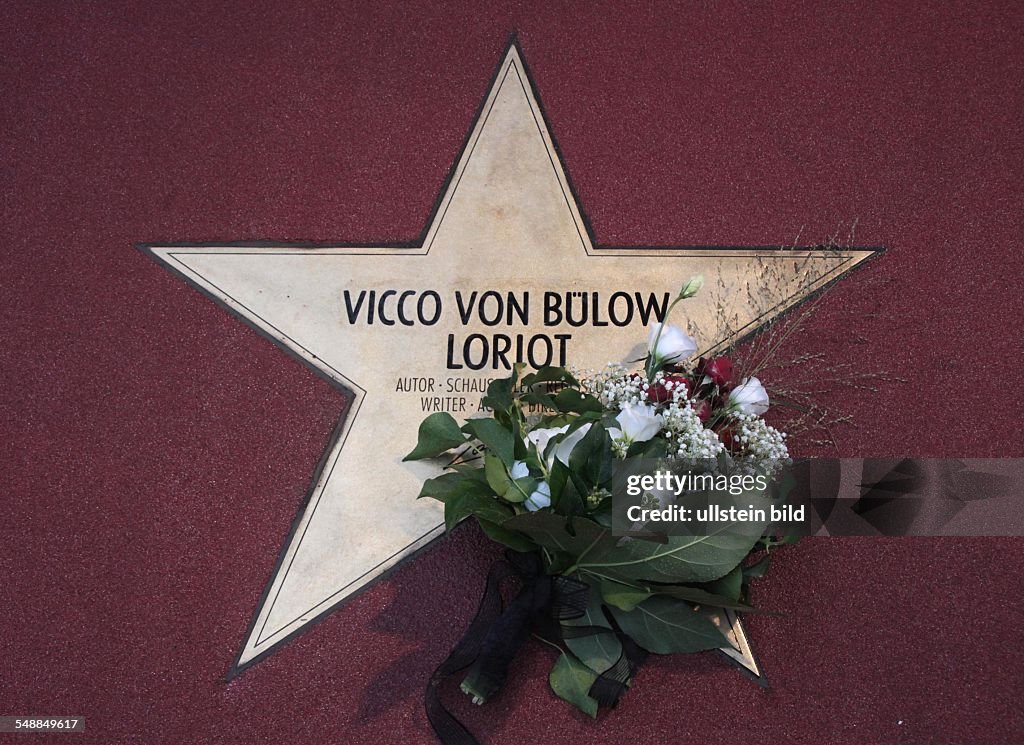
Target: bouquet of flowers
[{"x": 537, "y": 476}]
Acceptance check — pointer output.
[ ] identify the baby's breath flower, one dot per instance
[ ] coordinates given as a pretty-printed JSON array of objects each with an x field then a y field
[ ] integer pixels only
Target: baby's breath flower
[
  {"x": 759, "y": 440},
  {"x": 682, "y": 427},
  {"x": 686, "y": 432}
]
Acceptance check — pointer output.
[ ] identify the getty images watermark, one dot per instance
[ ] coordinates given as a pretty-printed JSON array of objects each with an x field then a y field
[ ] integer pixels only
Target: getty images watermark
[
  {"x": 819, "y": 496},
  {"x": 719, "y": 489},
  {"x": 700, "y": 497}
]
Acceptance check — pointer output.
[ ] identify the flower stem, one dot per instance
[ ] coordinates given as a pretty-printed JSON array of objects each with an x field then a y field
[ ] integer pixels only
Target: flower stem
[{"x": 653, "y": 361}]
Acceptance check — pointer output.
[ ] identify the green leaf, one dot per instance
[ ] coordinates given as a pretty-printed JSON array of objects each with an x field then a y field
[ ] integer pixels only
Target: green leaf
[
  {"x": 558, "y": 477},
  {"x": 484, "y": 507},
  {"x": 570, "y": 679},
  {"x": 438, "y": 433},
  {"x": 597, "y": 651},
  {"x": 565, "y": 497},
  {"x": 512, "y": 539},
  {"x": 520, "y": 449},
  {"x": 656, "y": 447},
  {"x": 570, "y": 399},
  {"x": 626, "y": 596},
  {"x": 540, "y": 398},
  {"x": 495, "y": 438},
  {"x": 682, "y": 559},
  {"x": 697, "y": 596},
  {"x": 497, "y": 474},
  {"x": 549, "y": 375},
  {"x": 499, "y": 396},
  {"x": 549, "y": 530},
  {"x": 622, "y": 596},
  {"x": 447, "y": 485},
  {"x": 729, "y": 586},
  {"x": 758, "y": 568},
  {"x": 665, "y": 626},
  {"x": 521, "y": 489},
  {"x": 560, "y": 562},
  {"x": 590, "y": 463}
]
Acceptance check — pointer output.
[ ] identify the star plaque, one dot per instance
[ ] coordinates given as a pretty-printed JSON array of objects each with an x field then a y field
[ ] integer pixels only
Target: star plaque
[{"x": 507, "y": 272}]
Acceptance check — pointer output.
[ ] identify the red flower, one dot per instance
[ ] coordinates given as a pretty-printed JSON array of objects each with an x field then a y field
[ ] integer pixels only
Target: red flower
[
  {"x": 659, "y": 393},
  {"x": 702, "y": 409},
  {"x": 678, "y": 380},
  {"x": 719, "y": 369}
]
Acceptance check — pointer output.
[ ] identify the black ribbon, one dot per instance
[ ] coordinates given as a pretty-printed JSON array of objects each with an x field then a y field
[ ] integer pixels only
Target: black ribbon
[{"x": 489, "y": 645}]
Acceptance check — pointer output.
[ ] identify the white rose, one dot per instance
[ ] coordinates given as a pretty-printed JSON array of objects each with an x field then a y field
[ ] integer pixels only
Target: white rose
[
  {"x": 564, "y": 449},
  {"x": 750, "y": 397},
  {"x": 540, "y": 498},
  {"x": 542, "y": 437},
  {"x": 674, "y": 344},
  {"x": 518, "y": 470},
  {"x": 639, "y": 423}
]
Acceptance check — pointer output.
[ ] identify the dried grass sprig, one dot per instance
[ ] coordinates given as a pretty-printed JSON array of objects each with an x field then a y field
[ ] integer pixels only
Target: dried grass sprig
[{"x": 801, "y": 380}]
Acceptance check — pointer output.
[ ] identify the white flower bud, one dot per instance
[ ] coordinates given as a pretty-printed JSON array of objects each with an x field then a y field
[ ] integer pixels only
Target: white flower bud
[{"x": 692, "y": 287}]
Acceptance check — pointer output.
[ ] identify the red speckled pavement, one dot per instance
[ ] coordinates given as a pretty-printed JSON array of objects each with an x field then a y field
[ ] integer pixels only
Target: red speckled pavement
[{"x": 156, "y": 449}]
